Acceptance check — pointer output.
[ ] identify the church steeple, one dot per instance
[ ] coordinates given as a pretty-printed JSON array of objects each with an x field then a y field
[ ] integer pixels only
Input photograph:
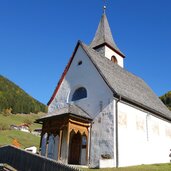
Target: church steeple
[{"x": 103, "y": 40}]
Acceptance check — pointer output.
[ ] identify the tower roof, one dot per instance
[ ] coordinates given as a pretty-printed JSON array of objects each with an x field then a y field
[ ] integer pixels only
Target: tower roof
[{"x": 104, "y": 36}]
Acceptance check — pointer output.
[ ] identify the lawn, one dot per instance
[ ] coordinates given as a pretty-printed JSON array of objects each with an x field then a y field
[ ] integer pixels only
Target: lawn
[
  {"x": 154, "y": 167},
  {"x": 23, "y": 138}
]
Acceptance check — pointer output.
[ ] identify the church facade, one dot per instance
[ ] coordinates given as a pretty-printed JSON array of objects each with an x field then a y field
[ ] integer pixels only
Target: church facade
[{"x": 101, "y": 115}]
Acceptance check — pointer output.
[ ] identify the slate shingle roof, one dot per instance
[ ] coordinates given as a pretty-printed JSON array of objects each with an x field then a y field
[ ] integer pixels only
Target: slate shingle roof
[
  {"x": 126, "y": 84},
  {"x": 104, "y": 35},
  {"x": 68, "y": 109}
]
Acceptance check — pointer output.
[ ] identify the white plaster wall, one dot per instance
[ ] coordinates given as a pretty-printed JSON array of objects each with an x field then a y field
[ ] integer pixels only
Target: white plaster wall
[
  {"x": 109, "y": 53},
  {"x": 86, "y": 75},
  {"x": 143, "y": 138}
]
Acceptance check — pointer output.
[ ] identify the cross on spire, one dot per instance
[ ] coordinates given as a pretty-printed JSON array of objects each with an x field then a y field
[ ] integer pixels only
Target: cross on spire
[{"x": 104, "y": 6}]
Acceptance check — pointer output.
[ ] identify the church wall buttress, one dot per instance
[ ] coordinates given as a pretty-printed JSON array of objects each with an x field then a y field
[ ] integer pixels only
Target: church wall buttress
[{"x": 102, "y": 148}]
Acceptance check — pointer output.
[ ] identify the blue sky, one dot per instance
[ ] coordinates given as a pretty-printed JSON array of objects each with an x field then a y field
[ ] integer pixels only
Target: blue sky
[{"x": 37, "y": 38}]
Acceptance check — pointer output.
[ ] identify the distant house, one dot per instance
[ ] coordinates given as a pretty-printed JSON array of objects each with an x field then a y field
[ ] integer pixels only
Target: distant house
[
  {"x": 22, "y": 127},
  {"x": 37, "y": 131},
  {"x": 15, "y": 127}
]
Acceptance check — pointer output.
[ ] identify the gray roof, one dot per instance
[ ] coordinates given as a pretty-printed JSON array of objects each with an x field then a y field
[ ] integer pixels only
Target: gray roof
[
  {"x": 126, "y": 84},
  {"x": 104, "y": 35},
  {"x": 68, "y": 109}
]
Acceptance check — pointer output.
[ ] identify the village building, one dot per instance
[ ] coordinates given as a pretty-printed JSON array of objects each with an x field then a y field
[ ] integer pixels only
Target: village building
[
  {"x": 22, "y": 127},
  {"x": 101, "y": 115}
]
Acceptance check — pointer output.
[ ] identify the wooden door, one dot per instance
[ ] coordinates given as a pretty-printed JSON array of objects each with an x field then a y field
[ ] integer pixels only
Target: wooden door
[{"x": 75, "y": 149}]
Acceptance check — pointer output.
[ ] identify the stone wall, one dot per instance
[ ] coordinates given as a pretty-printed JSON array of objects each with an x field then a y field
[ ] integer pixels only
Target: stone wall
[{"x": 102, "y": 141}]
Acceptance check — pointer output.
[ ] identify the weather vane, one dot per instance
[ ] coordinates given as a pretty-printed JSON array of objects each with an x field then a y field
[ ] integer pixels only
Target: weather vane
[{"x": 104, "y": 6}]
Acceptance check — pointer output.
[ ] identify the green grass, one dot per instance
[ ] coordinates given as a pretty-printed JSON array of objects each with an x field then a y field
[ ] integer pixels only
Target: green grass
[
  {"x": 154, "y": 167},
  {"x": 25, "y": 139}
]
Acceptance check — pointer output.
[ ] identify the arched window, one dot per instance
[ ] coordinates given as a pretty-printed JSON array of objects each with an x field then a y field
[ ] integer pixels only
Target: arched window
[
  {"x": 79, "y": 93},
  {"x": 113, "y": 59}
]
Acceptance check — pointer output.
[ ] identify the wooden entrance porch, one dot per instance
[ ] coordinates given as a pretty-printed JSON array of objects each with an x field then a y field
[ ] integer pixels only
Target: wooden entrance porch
[{"x": 65, "y": 138}]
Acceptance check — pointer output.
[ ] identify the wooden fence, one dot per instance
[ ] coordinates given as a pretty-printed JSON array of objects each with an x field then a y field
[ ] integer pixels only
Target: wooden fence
[{"x": 26, "y": 161}]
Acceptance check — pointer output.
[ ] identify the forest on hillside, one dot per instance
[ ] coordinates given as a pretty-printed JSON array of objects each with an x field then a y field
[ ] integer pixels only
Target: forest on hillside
[
  {"x": 15, "y": 100},
  {"x": 166, "y": 99}
]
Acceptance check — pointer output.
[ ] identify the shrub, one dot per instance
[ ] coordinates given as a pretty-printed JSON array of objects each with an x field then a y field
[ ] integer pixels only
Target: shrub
[
  {"x": 4, "y": 127},
  {"x": 7, "y": 112}
]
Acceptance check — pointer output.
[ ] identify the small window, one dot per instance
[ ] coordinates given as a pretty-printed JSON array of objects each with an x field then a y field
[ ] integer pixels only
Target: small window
[
  {"x": 113, "y": 59},
  {"x": 79, "y": 93},
  {"x": 80, "y": 62}
]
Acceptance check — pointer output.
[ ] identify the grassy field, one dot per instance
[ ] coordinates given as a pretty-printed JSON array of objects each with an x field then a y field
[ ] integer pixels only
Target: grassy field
[
  {"x": 24, "y": 139},
  {"x": 154, "y": 167}
]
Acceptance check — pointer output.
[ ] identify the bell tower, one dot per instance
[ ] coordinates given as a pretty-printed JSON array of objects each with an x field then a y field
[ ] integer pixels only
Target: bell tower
[{"x": 104, "y": 43}]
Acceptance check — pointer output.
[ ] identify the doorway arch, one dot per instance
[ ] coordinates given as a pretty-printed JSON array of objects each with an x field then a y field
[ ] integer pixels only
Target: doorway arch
[{"x": 75, "y": 148}]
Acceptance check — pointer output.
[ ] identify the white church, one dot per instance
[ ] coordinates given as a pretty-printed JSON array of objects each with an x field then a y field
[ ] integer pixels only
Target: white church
[{"x": 101, "y": 115}]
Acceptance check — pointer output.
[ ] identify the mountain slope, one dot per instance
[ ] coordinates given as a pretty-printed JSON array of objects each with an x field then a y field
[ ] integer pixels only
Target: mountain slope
[
  {"x": 166, "y": 99},
  {"x": 17, "y": 100}
]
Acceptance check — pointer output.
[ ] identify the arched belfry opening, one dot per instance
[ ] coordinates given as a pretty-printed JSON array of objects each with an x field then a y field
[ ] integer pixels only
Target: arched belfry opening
[{"x": 113, "y": 59}]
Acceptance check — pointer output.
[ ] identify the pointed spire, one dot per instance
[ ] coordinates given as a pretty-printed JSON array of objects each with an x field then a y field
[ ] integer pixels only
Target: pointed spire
[{"x": 104, "y": 35}]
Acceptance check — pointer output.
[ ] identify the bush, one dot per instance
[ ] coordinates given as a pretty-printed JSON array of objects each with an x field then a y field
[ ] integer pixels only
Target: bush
[
  {"x": 4, "y": 127},
  {"x": 7, "y": 112}
]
